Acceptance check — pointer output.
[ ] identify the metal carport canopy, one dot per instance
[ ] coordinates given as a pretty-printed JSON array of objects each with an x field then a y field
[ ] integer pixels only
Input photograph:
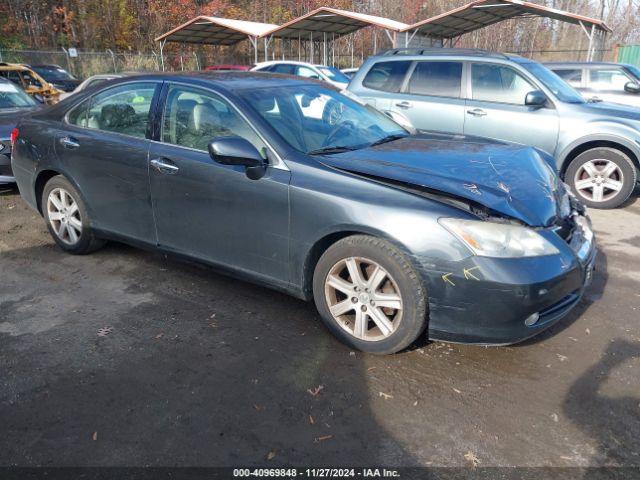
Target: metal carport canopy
[
  {"x": 333, "y": 21},
  {"x": 482, "y": 13},
  {"x": 215, "y": 31}
]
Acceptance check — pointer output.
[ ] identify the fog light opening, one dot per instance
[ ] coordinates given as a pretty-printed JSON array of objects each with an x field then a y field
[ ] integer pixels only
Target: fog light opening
[{"x": 532, "y": 319}]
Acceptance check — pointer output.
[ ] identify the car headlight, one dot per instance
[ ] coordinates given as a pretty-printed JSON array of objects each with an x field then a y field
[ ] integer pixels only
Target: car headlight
[{"x": 488, "y": 239}]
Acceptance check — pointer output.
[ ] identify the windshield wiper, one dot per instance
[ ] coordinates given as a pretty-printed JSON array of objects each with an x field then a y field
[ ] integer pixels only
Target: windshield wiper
[
  {"x": 389, "y": 138},
  {"x": 330, "y": 150}
]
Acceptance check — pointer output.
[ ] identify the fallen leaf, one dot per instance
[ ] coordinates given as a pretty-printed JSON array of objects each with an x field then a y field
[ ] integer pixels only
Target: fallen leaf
[
  {"x": 415, "y": 403},
  {"x": 386, "y": 396},
  {"x": 311, "y": 420},
  {"x": 160, "y": 335},
  {"x": 259, "y": 408},
  {"x": 562, "y": 358},
  {"x": 271, "y": 454},
  {"x": 456, "y": 390},
  {"x": 315, "y": 391},
  {"x": 104, "y": 331},
  {"x": 587, "y": 331},
  {"x": 472, "y": 458},
  {"x": 323, "y": 438},
  {"x": 555, "y": 417},
  {"x": 371, "y": 368},
  {"x": 94, "y": 436}
]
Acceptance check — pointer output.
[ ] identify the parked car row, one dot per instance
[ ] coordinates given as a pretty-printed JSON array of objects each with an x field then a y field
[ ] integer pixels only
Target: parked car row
[{"x": 441, "y": 210}]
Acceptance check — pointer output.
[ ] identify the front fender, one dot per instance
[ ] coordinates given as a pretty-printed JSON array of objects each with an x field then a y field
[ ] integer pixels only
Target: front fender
[{"x": 624, "y": 136}]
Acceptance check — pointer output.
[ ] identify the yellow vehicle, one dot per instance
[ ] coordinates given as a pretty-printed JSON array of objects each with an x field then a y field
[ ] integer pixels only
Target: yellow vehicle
[{"x": 30, "y": 81}]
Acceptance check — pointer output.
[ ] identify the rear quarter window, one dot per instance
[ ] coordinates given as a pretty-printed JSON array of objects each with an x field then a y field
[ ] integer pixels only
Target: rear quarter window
[{"x": 387, "y": 76}]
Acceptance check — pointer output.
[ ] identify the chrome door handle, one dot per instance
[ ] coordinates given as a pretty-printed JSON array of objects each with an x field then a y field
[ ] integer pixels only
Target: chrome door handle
[
  {"x": 164, "y": 166},
  {"x": 403, "y": 104},
  {"x": 70, "y": 143},
  {"x": 477, "y": 112}
]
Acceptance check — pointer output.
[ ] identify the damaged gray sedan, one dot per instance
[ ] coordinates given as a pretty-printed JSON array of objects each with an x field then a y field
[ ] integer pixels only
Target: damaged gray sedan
[{"x": 290, "y": 184}]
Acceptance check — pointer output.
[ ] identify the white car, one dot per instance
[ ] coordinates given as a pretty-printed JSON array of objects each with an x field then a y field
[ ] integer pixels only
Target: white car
[
  {"x": 92, "y": 81},
  {"x": 307, "y": 70},
  {"x": 350, "y": 72}
]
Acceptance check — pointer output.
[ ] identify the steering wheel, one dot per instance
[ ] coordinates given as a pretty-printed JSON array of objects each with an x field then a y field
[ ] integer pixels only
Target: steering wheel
[{"x": 346, "y": 125}]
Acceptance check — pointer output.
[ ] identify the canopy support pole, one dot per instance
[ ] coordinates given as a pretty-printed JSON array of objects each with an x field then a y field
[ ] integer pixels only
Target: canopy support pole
[
  {"x": 267, "y": 42},
  {"x": 392, "y": 37},
  {"x": 254, "y": 43},
  {"x": 162, "y": 42},
  {"x": 324, "y": 48},
  {"x": 299, "y": 46}
]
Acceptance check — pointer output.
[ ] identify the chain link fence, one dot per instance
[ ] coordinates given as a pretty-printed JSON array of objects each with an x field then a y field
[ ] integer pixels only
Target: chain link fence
[{"x": 85, "y": 64}]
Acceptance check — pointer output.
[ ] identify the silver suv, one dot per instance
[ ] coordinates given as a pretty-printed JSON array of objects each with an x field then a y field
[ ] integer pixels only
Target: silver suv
[
  {"x": 608, "y": 82},
  {"x": 474, "y": 92}
]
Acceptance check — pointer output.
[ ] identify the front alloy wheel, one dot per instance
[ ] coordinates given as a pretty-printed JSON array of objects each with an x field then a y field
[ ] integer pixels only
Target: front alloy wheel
[
  {"x": 369, "y": 294},
  {"x": 363, "y": 298}
]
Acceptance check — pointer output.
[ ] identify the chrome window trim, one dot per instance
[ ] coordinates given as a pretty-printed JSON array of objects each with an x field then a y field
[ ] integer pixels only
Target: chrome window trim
[{"x": 279, "y": 165}]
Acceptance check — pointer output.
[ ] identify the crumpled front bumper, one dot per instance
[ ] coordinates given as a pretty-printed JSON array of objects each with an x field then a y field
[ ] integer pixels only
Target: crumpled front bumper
[{"x": 490, "y": 301}]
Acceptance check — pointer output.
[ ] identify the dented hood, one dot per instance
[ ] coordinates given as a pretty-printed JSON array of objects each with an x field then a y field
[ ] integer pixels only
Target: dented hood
[{"x": 511, "y": 179}]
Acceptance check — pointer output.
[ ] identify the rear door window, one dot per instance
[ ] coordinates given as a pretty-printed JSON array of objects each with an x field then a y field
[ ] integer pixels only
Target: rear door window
[
  {"x": 608, "y": 79},
  {"x": 387, "y": 76},
  {"x": 284, "y": 68},
  {"x": 439, "y": 79},
  {"x": 573, "y": 76},
  {"x": 306, "y": 72},
  {"x": 123, "y": 109},
  {"x": 498, "y": 83}
]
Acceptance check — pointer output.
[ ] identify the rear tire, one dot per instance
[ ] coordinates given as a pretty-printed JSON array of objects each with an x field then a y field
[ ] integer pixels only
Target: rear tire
[
  {"x": 602, "y": 177},
  {"x": 369, "y": 295},
  {"x": 67, "y": 218}
]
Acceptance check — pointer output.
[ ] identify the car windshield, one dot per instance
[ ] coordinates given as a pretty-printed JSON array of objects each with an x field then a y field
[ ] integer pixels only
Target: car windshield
[
  {"x": 51, "y": 74},
  {"x": 317, "y": 120},
  {"x": 563, "y": 91},
  {"x": 13, "y": 97},
  {"x": 334, "y": 74}
]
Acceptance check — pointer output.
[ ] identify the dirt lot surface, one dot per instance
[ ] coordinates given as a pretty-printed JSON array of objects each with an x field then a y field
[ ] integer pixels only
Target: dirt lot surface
[{"x": 126, "y": 357}]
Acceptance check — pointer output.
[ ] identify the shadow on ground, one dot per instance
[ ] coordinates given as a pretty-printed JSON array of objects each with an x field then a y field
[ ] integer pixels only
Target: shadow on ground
[{"x": 193, "y": 369}]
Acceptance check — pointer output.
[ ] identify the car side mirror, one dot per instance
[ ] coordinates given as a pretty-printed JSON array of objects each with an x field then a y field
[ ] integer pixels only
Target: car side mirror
[
  {"x": 632, "y": 87},
  {"x": 234, "y": 150},
  {"x": 535, "y": 98}
]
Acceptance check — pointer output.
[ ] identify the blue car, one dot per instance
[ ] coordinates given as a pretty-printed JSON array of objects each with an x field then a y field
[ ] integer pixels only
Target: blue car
[{"x": 290, "y": 184}]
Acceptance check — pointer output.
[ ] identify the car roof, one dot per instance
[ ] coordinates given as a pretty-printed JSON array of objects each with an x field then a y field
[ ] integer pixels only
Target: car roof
[
  {"x": 448, "y": 52},
  {"x": 291, "y": 62},
  {"x": 584, "y": 64},
  {"x": 45, "y": 65},
  {"x": 229, "y": 81}
]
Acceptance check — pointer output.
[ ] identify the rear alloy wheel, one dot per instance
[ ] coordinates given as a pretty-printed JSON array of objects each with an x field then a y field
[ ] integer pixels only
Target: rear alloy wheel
[
  {"x": 64, "y": 216},
  {"x": 67, "y": 218},
  {"x": 369, "y": 295},
  {"x": 602, "y": 177}
]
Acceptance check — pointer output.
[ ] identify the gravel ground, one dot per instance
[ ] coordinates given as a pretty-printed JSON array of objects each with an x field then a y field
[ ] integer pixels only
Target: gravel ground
[{"x": 127, "y": 357}]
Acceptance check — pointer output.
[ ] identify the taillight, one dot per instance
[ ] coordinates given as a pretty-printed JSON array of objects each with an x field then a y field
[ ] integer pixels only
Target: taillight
[{"x": 14, "y": 136}]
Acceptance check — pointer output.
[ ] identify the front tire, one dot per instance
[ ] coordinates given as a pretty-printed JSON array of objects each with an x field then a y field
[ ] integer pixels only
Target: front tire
[
  {"x": 602, "y": 177},
  {"x": 67, "y": 218},
  {"x": 369, "y": 295}
]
